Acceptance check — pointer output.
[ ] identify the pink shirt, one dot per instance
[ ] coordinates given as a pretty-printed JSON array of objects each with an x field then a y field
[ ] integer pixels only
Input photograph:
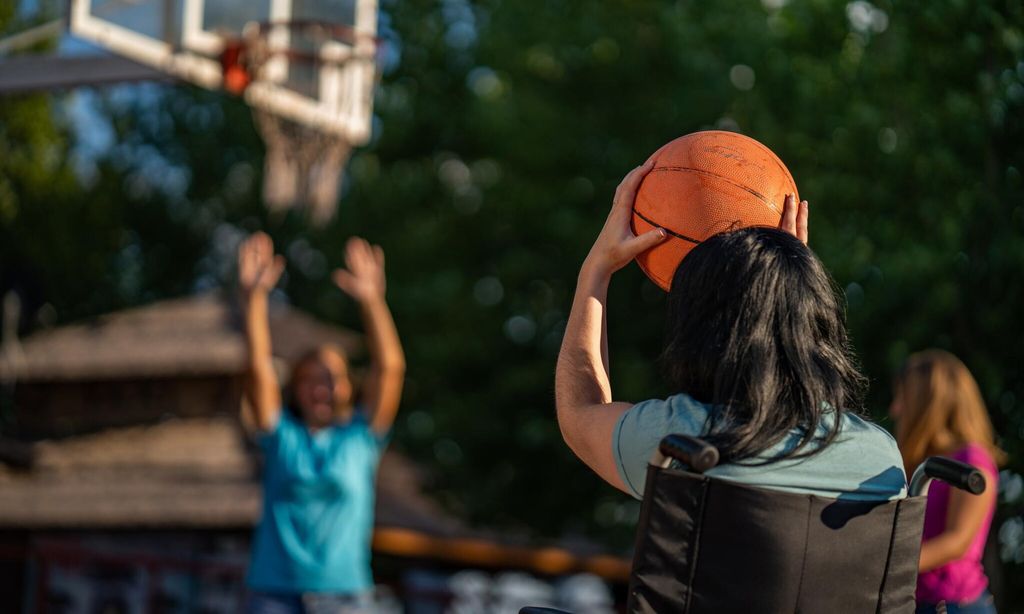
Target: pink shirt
[{"x": 962, "y": 580}]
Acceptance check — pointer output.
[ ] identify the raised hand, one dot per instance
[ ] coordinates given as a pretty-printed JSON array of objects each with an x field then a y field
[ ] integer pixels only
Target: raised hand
[
  {"x": 794, "y": 218},
  {"x": 363, "y": 275},
  {"x": 363, "y": 279},
  {"x": 258, "y": 268},
  {"x": 617, "y": 245},
  {"x": 258, "y": 272}
]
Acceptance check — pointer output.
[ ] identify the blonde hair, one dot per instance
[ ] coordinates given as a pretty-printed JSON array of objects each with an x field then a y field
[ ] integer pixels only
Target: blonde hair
[{"x": 942, "y": 409}]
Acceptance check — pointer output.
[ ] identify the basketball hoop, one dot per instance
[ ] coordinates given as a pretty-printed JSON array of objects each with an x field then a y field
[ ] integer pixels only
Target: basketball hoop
[
  {"x": 233, "y": 66},
  {"x": 307, "y": 68},
  {"x": 304, "y": 160}
]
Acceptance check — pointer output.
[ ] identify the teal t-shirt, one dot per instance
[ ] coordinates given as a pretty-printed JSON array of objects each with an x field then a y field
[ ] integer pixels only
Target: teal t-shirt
[
  {"x": 862, "y": 463},
  {"x": 318, "y": 496}
]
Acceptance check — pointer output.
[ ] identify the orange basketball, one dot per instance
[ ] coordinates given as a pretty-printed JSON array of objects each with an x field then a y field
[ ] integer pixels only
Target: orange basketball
[{"x": 704, "y": 183}]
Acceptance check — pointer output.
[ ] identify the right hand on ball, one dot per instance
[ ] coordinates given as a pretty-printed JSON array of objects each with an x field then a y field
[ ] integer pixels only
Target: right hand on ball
[
  {"x": 258, "y": 267},
  {"x": 794, "y": 218},
  {"x": 616, "y": 245}
]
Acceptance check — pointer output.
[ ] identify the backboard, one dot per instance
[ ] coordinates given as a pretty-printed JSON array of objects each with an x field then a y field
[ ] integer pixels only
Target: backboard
[{"x": 316, "y": 63}]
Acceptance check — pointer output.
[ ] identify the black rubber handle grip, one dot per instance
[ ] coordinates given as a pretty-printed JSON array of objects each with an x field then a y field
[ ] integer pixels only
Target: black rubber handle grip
[
  {"x": 696, "y": 454},
  {"x": 956, "y": 474},
  {"x": 539, "y": 610}
]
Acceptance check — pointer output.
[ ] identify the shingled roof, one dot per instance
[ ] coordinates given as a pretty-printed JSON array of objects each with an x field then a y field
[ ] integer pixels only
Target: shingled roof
[
  {"x": 195, "y": 472},
  {"x": 201, "y": 473},
  {"x": 197, "y": 335}
]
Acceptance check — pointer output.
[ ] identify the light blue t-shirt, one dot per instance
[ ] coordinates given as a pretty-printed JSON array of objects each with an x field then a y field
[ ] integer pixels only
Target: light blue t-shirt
[
  {"x": 861, "y": 464},
  {"x": 318, "y": 495}
]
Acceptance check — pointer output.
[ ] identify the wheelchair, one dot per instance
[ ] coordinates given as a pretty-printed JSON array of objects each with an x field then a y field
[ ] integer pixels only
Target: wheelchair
[{"x": 709, "y": 545}]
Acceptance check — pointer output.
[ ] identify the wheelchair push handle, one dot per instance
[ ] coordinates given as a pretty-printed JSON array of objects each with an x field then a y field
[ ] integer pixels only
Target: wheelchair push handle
[
  {"x": 696, "y": 454},
  {"x": 956, "y": 474}
]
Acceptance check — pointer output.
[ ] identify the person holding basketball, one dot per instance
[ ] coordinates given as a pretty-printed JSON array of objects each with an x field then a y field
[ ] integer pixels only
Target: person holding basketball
[
  {"x": 757, "y": 354},
  {"x": 311, "y": 550},
  {"x": 938, "y": 410}
]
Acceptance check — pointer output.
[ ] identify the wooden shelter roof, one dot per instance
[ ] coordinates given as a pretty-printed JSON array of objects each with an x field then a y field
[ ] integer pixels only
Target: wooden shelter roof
[
  {"x": 201, "y": 473},
  {"x": 195, "y": 335}
]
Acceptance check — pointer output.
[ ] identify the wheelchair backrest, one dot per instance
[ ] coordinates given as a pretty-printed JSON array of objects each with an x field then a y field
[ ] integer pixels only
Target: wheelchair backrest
[{"x": 710, "y": 545}]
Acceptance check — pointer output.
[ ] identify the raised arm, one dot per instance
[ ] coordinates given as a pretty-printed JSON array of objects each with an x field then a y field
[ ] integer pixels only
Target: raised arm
[
  {"x": 587, "y": 413},
  {"x": 258, "y": 272},
  {"x": 583, "y": 393},
  {"x": 363, "y": 279}
]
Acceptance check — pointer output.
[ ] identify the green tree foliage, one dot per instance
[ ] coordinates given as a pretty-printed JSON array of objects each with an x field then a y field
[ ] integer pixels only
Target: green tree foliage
[
  {"x": 37, "y": 187},
  {"x": 503, "y": 129}
]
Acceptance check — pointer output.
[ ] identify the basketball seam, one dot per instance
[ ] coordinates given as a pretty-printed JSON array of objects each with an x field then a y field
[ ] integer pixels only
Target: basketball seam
[
  {"x": 668, "y": 230},
  {"x": 760, "y": 196},
  {"x": 778, "y": 161}
]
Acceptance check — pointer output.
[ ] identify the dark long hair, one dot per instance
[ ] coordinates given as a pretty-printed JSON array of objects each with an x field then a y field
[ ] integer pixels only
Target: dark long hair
[{"x": 756, "y": 329}]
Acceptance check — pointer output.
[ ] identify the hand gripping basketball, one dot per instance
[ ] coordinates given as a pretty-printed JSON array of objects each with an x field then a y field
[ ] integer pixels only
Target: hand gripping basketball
[
  {"x": 702, "y": 184},
  {"x": 794, "y": 218},
  {"x": 616, "y": 245}
]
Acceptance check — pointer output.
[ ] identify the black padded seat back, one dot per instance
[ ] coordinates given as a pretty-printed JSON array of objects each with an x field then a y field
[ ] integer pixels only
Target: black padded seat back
[{"x": 709, "y": 545}]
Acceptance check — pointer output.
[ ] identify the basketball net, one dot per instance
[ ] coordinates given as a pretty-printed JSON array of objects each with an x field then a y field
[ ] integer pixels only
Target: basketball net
[{"x": 303, "y": 166}]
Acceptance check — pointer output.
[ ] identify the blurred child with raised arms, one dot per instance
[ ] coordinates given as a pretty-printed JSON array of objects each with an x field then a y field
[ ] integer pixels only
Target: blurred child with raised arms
[{"x": 311, "y": 550}]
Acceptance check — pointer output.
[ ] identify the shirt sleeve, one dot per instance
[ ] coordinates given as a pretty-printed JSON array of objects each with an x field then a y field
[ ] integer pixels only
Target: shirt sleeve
[
  {"x": 377, "y": 440},
  {"x": 269, "y": 440},
  {"x": 977, "y": 455},
  {"x": 642, "y": 427}
]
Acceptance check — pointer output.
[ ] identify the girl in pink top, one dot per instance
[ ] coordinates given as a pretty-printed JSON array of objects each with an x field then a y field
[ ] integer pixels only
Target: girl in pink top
[{"x": 939, "y": 411}]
